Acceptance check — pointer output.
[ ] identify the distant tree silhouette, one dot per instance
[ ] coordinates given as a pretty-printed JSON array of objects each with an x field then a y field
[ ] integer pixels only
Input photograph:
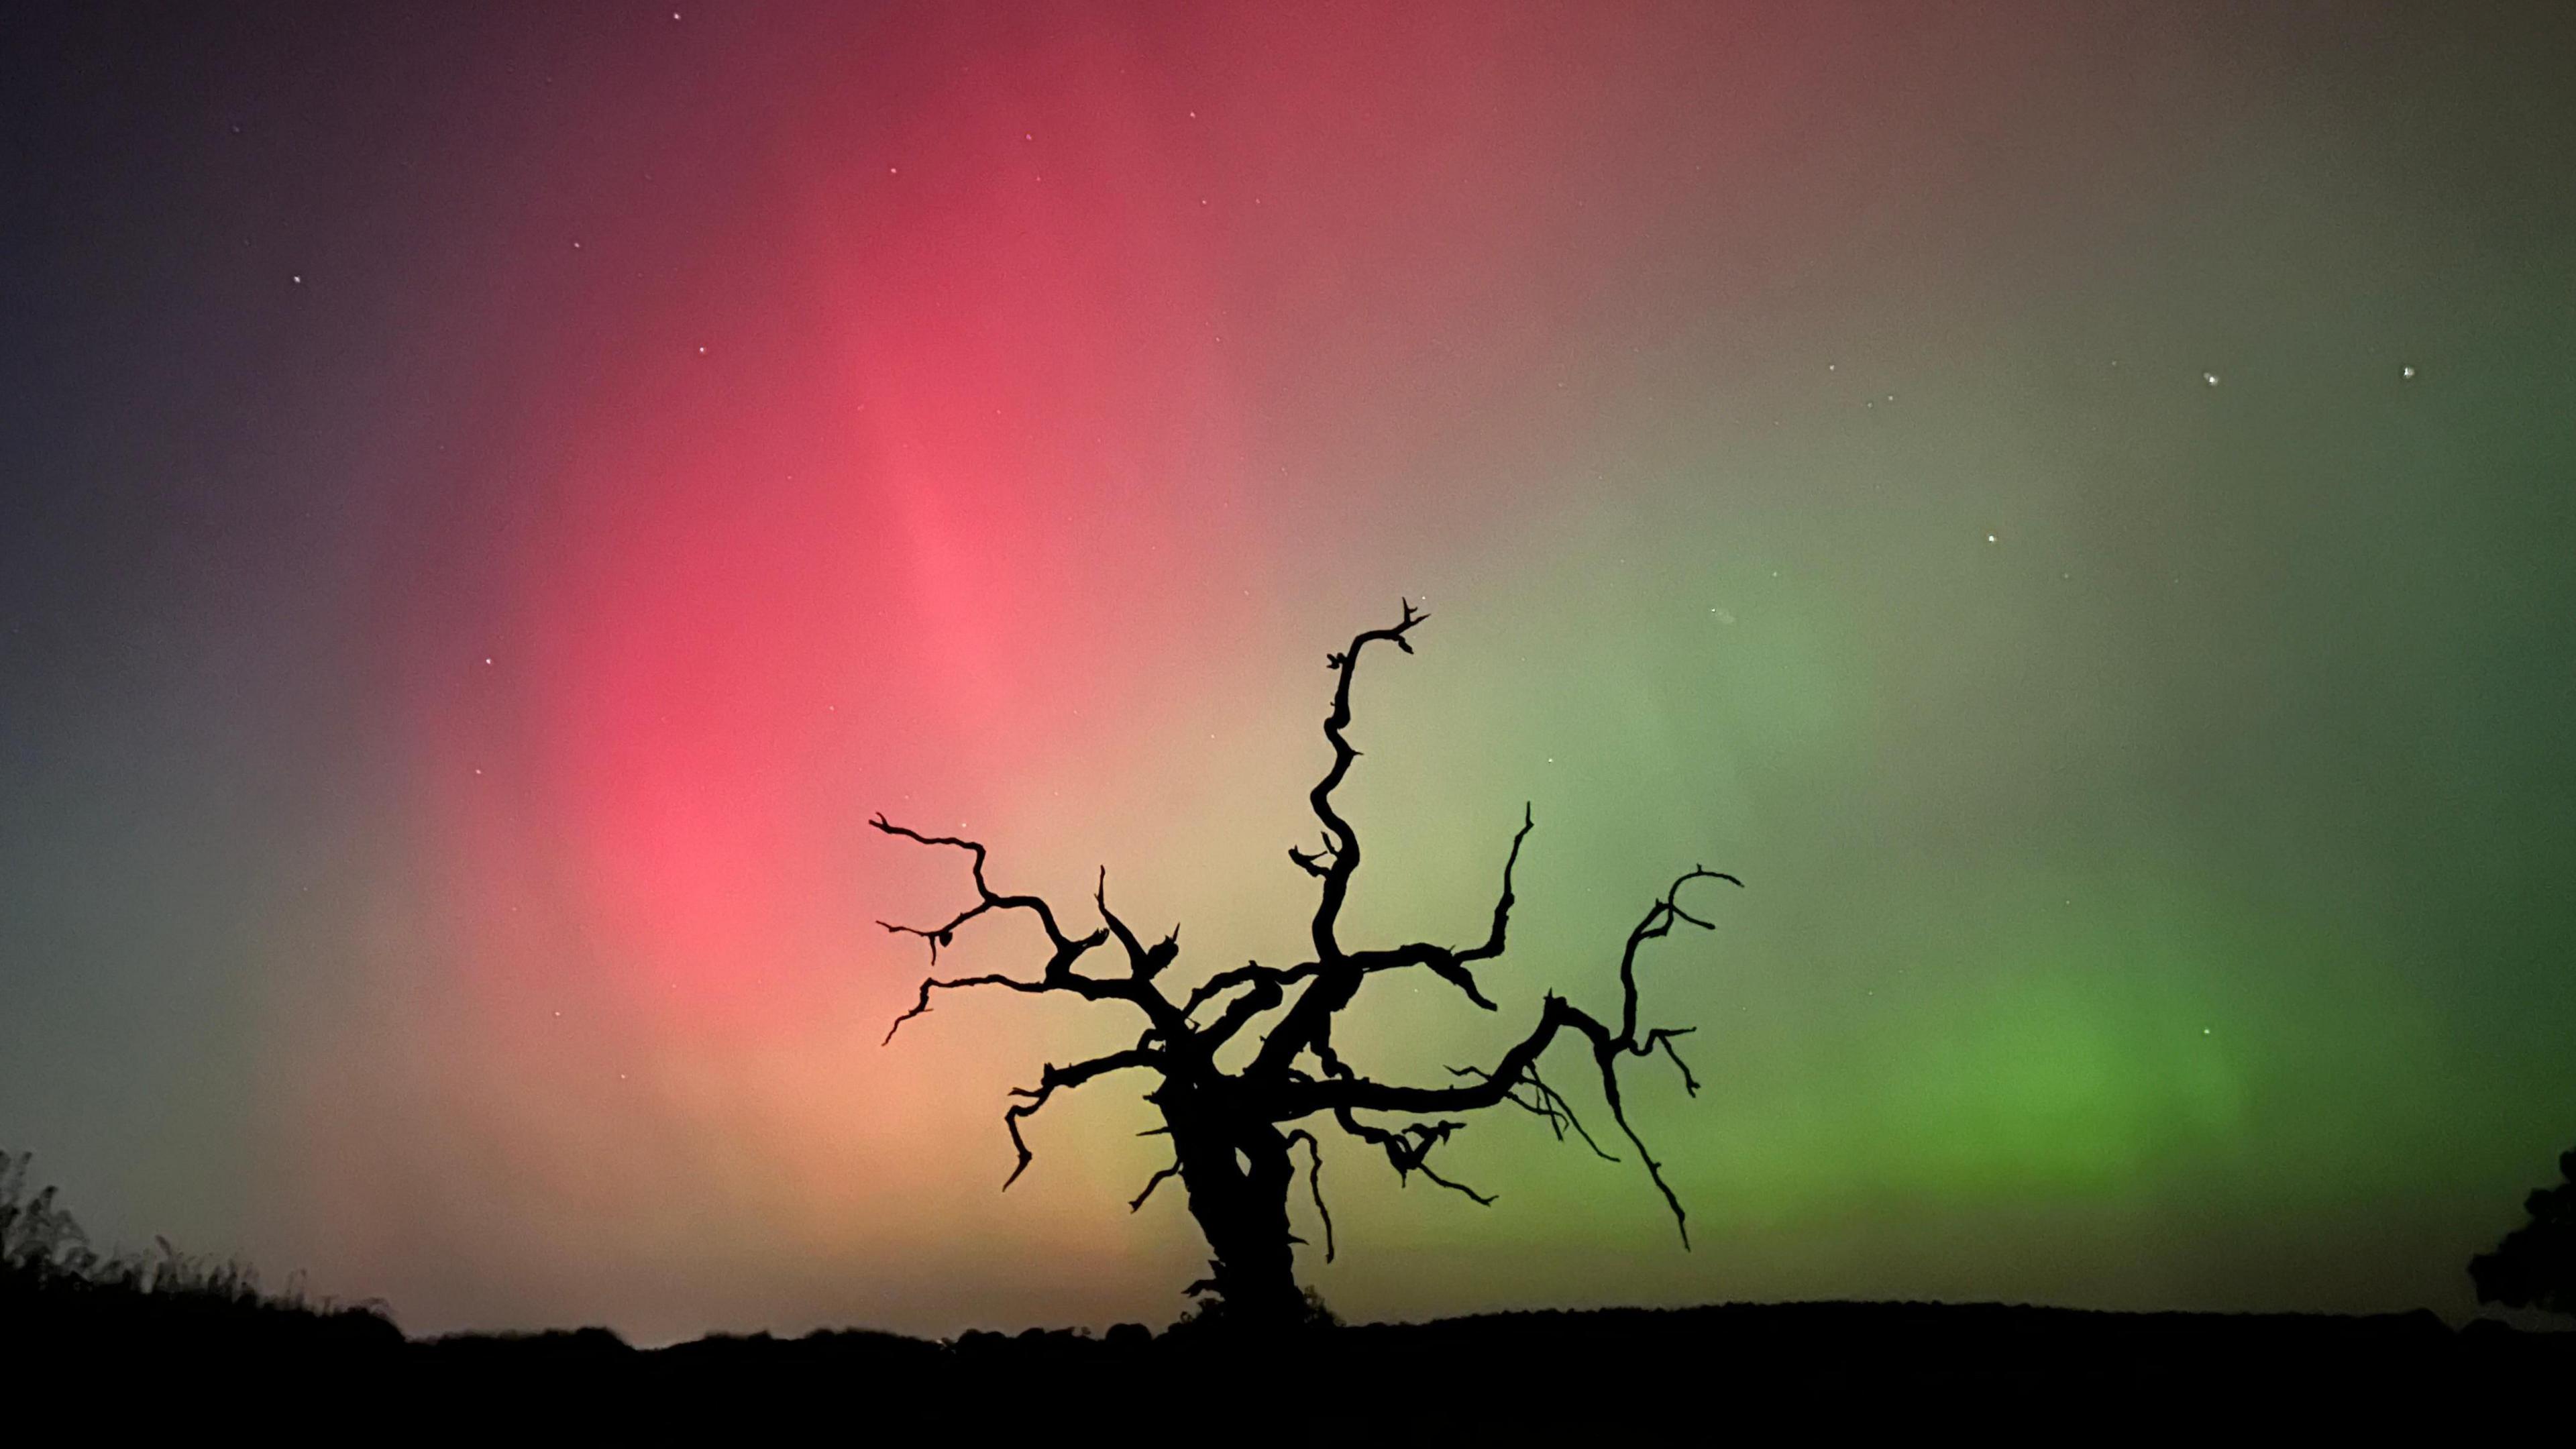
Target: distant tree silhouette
[
  {"x": 2535, "y": 1265},
  {"x": 1233, "y": 1133}
]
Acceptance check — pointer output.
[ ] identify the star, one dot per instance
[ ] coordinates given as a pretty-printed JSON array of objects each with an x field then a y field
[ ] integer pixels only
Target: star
[
  {"x": 2406, "y": 372},
  {"x": 2210, "y": 378}
]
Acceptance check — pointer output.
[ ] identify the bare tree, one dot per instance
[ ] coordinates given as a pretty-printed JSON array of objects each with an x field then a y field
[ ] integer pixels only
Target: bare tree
[{"x": 1233, "y": 1133}]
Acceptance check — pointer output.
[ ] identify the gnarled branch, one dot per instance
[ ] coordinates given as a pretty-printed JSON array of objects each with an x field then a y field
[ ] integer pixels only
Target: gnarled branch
[
  {"x": 1440, "y": 960},
  {"x": 1058, "y": 974},
  {"x": 922, "y": 1006},
  {"x": 1143, "y": 962},
  {"x": 1238, "y": 1014},
  {"x": 1315, "y": 1182},
  {"x": 1493, "y": 946},
  {"x": 1658, "y": 921},
  {"x": 1494, "y": 1085},
  {"x": 1544, "y": 1102},
  {"x": 1408, "y": 1149},
  {"x": 1055, "y": 1078},
  {"x": 1249, "y": 973},
  {"x": 1343, "y": 842},
  {"x": 1151, "y": 1183},
  {"x": 987, "y": 899}
]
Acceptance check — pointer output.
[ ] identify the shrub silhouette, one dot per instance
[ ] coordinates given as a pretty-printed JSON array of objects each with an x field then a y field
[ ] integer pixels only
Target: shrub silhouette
[
  {"x": 1233, "y": 1132},
  {"x": 2535, "y": 1265}
]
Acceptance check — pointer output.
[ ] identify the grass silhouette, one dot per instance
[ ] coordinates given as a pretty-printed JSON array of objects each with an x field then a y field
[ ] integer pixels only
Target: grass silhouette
[{"x": 60, "y": 1294}]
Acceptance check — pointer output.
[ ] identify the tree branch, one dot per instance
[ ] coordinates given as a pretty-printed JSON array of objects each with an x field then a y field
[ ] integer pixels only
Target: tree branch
[
  {"x": 1441, "y": 961},
  {"x": 1239, "y": 1013},
  {"x": 922, "y": 1007},
  {"x": 1548, "y": 1105},
  {"x": 1248, "y": 973},
  {"x": 1054, "y": 1078},
  {"x": 1664, "y": 1039},
  {"x": 1493, "y": 946},
  {"x": 1657, "y": 922},
  {"x": 987, "y": 901},
  {"x": 1152, "y": 1183},
  {"x": 1408, "y": 1150},
  {"x": 1058, "y": 974},
  {"x": 1342, "y": 842},
  {"x": 1490, "y": 1087},
  {"x": 1446, "y": 962},
  {"x": 1315, "y": 1182},
  {"x": 1143, "y": 962},
  {"x": 1309, "y": 1023}
]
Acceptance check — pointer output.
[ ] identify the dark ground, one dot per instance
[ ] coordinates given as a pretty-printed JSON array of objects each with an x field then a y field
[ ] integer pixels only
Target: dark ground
[{"x": 1620, "y": 1372}]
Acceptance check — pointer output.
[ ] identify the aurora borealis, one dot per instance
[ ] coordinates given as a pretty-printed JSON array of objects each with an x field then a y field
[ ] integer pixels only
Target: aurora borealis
[{"x": 2071, "y": 503}]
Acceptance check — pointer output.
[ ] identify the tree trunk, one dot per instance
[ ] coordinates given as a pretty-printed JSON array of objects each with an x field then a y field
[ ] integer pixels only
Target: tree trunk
[{"x": 1238, "y": 1189}]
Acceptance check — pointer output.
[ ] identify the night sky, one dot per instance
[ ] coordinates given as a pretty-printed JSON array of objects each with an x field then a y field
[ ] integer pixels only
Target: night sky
[{"x": 2072, "y": 503}]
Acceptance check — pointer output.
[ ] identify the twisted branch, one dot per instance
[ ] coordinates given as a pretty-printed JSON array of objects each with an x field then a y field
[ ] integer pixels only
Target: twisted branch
[
  {"x": 1308, "y": 1024},
  {"x": 1143, "y": 962},
  {"x": 1049, "y": 1081},
  {"x": 1493, "y": 946},
  {"x": 939, "y": 936},
  {"x": 1408, "y": 1150},
  {"x": 1315, "y": 1182},
  {"x": 1343, "y": 843},
  {"x": 1249, "y": 973},
  {"x": 1058, "y": 974},
  {"x": 1493, "y": 1086},
  {"x": 922, "y": 1006},
  {"x": 1152, "y": 1183},
  {"x": 1548, "y": 1104},
  {"x": 1239, "y": 1013}
]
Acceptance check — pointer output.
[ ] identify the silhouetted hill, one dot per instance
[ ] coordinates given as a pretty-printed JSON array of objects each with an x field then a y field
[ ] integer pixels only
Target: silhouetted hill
[{"x": 1811, "y": 1360}]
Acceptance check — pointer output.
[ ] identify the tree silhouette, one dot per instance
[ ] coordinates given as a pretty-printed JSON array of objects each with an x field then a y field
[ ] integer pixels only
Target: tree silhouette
[
  {"x": 2535, "y": 1265},
  {"x": 1234, "y": 1133}
]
